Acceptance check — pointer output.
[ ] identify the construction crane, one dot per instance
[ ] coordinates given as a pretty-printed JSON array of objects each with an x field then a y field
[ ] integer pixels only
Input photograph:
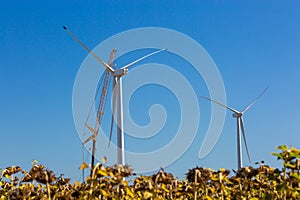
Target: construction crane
[{"x": 100, "y": 109}]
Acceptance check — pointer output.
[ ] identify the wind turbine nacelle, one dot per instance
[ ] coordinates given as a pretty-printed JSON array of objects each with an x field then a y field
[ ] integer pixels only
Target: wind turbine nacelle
[
  {"x": 236, "y": 115},
  {"x": 120, "y": 72}
]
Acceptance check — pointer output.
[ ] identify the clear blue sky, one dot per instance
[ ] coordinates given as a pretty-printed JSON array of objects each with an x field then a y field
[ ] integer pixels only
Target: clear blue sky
[{"x": 254, "y": 44}]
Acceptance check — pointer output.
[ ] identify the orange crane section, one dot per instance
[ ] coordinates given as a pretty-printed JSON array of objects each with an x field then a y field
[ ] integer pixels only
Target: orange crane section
[
  {"x": 101, "y": 106},
  {"x": 105, "y": 87}
]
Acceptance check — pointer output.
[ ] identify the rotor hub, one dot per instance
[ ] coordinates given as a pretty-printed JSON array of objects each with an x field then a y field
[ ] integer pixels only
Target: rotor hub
[
  {"x": 237, "y": 115},
  {"x": 120, "y": 72}
]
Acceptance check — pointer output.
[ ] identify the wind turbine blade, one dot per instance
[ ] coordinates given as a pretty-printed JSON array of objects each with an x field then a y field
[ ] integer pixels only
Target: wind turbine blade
[
  {"x": 88, "y": 50},
  {"x": 142, "y": 58},
  {"x": 231, "y": 109},
  {"x": 244, "y": 137},
  {"x": 254, "y": 101},
  {"x": 114, "y": 97}
]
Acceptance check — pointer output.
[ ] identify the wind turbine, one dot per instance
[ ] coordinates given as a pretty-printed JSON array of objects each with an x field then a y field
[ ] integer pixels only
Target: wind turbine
[
  {"x": 116, "y": 96},
  {"x": 240, "y": 126}
]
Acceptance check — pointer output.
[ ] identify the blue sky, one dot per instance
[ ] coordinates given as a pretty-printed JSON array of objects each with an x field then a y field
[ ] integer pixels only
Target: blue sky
[{"x": 254, "y": 44}]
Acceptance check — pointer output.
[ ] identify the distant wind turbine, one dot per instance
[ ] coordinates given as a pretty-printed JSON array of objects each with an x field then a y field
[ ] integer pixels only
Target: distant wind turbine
[{"x": 240, "y": 126}]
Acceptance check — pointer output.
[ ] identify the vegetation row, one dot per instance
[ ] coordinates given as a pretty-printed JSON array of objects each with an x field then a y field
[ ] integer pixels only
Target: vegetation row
[{"x": 119, "y": 182}]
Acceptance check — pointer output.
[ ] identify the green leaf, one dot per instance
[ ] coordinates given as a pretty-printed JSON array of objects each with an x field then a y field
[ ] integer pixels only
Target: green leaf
[
  {"x": 7, "y": 176},
  {"x": 294, "y": 155},
  {"x": 228, "y": 181},
  {"x": 208, "y": 198},
  {"x": 282, "y": 147},
  {"x": 279, "y": 156},
  {"x": 297, "y": 151},
  {"x": 289, "y": 165},
  {"x": 102, "y": 172},
  {"x": 129, "y": 192},
  {"x": 104, "y": 193},
  {"x": 296, "y": 176},
  {"x": 165, "y": 188}
]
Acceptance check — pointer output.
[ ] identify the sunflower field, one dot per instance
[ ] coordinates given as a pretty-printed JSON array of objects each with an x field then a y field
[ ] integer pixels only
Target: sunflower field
[{"x": 119, "y": 182}]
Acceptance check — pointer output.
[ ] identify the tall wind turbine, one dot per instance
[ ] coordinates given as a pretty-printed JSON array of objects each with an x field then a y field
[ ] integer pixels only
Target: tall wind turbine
[
  {"x": 116, "y": 95},
  {"x": 240, "y": 126}
]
